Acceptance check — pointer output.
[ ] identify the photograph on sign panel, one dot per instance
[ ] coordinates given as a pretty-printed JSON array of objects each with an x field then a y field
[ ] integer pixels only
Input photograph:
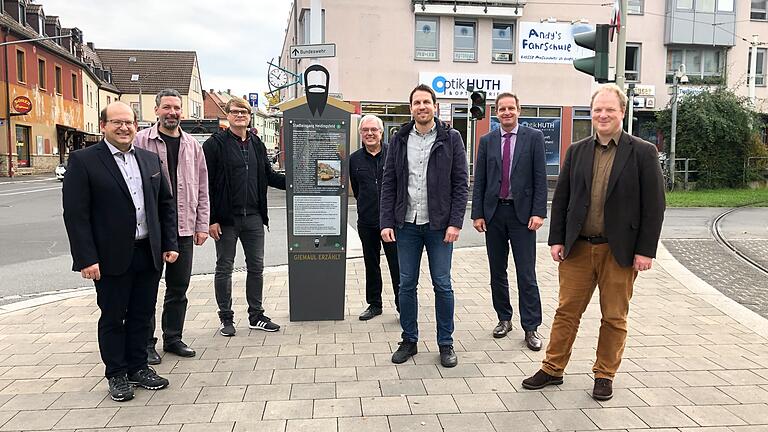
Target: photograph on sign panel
[{"x": 329, "y": 172}]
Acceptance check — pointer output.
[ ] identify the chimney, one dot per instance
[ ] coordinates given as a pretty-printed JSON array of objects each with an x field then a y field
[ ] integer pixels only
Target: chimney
[
  {"x": 91, "y": 45},
  {"x": 229, "y": 91},
  {"x": 210, "y": 91}
]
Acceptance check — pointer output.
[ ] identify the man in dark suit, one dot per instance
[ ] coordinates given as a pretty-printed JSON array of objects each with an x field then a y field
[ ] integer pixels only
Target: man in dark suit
[
  {"x": 121, "y": 222},
  {"x": 509, "y": 203},
  {"x": 607, "y": 213}
]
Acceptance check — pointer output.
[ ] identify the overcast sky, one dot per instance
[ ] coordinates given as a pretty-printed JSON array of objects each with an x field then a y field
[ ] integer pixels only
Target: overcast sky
[{"x": 234, "y": 39}]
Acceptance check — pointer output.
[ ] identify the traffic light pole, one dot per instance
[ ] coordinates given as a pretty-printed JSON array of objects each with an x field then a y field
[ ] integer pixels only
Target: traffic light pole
[{"x": 621, "y": 45}]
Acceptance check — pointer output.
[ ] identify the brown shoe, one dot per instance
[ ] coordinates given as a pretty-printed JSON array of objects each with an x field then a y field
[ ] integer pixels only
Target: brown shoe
[
  {"x": 540, "y": 380},
  {"x": 603, "y": 389},
  {"x": 501, "y": 329}
]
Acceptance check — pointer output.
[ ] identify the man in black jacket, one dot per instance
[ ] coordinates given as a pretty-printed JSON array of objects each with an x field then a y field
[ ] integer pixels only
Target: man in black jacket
[
  {"x": 366, "y": 166},
  {"x": 238, "y": 175},
  {"x": 121, "y": 223}
]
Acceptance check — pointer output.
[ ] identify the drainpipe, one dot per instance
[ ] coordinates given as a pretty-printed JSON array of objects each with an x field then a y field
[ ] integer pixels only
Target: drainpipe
[{"x": 5, "y": 31}]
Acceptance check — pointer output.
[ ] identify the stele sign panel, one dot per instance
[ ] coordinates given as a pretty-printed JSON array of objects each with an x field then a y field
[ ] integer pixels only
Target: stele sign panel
[{"x": 454, "y": 85}]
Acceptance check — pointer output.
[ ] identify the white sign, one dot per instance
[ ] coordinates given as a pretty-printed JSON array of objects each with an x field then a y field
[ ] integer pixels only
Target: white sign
[
  {"x": 550, "y": 42},
  {"x": 312, "y": 51},
  {"x": 454, "y": 85},
  {"x": 444, "y": 111},
  {"x": 643, "y": 89},
  {"x": 316, "y": 215}
]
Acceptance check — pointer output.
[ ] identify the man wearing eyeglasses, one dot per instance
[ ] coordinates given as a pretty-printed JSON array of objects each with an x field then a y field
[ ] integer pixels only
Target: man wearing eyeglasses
[
  {"x": 121, "y": 223},
  {"x": 238, "y": 175},
  {"x": 366, "y": 166},
  {"x": 183, "y": 165}
]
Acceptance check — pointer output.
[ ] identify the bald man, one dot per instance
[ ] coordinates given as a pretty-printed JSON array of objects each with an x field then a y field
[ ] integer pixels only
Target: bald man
[{"x": 121, "y": 223}]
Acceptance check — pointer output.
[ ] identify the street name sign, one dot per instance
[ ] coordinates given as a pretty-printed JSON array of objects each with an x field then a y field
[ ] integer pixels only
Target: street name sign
[{"x": 313, "y": 51}]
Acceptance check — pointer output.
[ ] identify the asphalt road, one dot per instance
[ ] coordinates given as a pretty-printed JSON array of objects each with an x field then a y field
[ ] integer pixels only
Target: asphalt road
[{"x": 34, "y": 257}]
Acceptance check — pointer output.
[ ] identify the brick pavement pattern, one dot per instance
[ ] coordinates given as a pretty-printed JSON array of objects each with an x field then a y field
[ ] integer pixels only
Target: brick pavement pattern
[
  {"x": 726, "y": 272},
  {"x": 688, "y": 366}
]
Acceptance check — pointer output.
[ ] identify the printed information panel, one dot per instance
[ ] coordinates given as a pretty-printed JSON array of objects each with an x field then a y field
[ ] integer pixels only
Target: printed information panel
[{"x": 316, "y": 215}]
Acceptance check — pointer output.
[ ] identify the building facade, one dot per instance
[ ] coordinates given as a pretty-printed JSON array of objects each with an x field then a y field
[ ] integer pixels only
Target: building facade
[{"x": 384, "y": 49}]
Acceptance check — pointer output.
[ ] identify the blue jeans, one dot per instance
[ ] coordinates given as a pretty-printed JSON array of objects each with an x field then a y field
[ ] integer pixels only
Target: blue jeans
[{"x": 411, "y": 240}]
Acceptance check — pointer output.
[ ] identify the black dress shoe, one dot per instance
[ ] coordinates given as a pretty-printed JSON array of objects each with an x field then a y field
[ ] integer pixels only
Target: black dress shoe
[
  {"x": 370, "y": 313},
  {"x": 448, "y": 356},
  {"x": 603, "y": 389},
  {"x": 501, "y": 329},
  {"x": 153, "y": 357},
  {"x": 180, "y": 349},
  {"x": 540, "y": 380},
  {"x": 533, "y": 340}
]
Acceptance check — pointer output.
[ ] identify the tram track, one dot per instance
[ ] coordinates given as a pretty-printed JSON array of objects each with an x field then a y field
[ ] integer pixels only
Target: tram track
[{"x": 723, "y": 241}]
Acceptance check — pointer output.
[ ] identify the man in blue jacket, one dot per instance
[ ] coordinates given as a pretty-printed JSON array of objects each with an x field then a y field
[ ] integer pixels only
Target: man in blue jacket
[{"x": 423, "y": 201}]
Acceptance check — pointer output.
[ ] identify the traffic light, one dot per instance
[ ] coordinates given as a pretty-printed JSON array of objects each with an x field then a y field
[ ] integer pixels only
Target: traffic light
[
  {"x": 477, "y": 110},
  {"x": 597, "y": 41}
]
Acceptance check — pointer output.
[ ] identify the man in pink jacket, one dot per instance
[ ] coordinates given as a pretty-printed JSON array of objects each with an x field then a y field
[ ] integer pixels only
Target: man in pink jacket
[{"x": 183, "y": 164}]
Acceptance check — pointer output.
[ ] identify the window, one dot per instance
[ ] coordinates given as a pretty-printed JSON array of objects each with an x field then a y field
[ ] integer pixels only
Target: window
[
  {"x": 22, "y": 145},
  {"x": 582, "y": 124},
  {"x": 304, "y": 27},
  {"x": 725, "y": 5},
  {"x": 702, "y": 66},
  {"x": 635, "y": 7},
  {"x": 59, "y": 85},
  {"x": 135, "y": 108},
  {"x": 41, "y": 24},
  {"x": 685, "y": 4},
  {"x": 759, "y": 66},
  {"x": 705, "y": 5},
  {"x": 22, "y": 13},
  {"x": 74, "y": 86},
  {"x": 502, "y": 43},
  {"x": 426, "y": 39},
  {"x": 109, "y": 100},
  {"x": 632, "y": 62},
  {"x": 21, "y": 66},
  {"x": 464, "y": 41},
  {"x": 759, "y": 10},
  {"x": 41, "y": 81}
]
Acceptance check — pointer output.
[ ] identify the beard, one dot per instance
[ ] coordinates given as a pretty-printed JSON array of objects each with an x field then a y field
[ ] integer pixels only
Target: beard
[
  {"x": 317, "y": 100},
  {"x": 169, "y": 123}
]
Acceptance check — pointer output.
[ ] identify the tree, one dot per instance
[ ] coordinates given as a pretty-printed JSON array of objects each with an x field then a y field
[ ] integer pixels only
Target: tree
[{"x": 719, "y": 130}]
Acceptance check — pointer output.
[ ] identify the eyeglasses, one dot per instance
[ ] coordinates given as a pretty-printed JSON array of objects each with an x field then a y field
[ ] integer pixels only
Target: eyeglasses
[
  {"x": 237, "y": 112},
  {"x": 369, "y": 130},
  {"x": 121, "y": 123}
]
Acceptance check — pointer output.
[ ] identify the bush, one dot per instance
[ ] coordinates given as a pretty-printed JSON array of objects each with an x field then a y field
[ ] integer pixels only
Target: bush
[{"x": 719, "y": 130}]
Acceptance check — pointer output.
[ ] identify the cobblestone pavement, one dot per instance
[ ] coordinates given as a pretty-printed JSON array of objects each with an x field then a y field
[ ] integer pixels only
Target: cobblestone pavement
[
  {"x": 695, "y": 361},
  {"x": 756, "y": 250},
  {"x": 724, "y": 271}
]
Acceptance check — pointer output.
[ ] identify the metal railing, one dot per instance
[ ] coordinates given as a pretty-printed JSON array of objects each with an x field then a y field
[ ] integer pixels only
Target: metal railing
[{"x": 760, "y": 163}]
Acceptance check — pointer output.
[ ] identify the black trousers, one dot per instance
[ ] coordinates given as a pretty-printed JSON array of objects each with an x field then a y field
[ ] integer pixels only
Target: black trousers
[
  {"x": 127, "y": 304},
  {"x": 175, "y": 301},
  {"x": 504, "y": 232},
  {"x": 370, "y": 237}
]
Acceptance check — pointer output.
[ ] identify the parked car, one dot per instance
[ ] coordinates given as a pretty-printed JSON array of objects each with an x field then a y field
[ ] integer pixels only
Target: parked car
[{"x": 60, "y": 171}]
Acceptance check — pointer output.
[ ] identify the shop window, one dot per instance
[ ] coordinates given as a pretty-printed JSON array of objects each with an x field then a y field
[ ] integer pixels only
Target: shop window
[
  {"x": 582, "y": 124},
  {"x": 22, "y": 145},
  {"x": 464, "y": 41},
  {"x": 426, "y": 39}
]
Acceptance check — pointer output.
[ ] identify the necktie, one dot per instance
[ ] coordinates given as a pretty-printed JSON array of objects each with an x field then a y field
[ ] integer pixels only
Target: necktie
[{"x": 506, "y": 160}]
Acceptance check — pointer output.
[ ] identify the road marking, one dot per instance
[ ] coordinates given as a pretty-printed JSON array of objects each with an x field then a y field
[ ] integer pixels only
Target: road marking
[
  {"x": 27, "y": 181},
  {"x": 28, "y": 191}
]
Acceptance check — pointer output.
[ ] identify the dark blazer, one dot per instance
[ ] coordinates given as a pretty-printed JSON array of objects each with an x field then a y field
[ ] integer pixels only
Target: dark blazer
[
  {"x": 634, "y": 201},
  {"x": 100, "y": 216},
  {"x": 447, "y": 177},
  {"x": 528, "y": 180}
]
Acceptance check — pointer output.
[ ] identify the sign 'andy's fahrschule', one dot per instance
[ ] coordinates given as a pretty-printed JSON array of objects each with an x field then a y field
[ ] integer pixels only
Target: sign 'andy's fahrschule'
[{"x": 317, "y": 133}]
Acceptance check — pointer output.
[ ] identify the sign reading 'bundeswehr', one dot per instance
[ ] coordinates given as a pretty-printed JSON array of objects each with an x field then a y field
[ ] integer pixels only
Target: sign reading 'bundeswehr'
[{"x": 313, "y": 51}]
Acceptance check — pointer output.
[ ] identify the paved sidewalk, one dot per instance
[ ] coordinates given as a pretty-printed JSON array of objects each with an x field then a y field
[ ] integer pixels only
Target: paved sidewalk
[{"x": 695, "y": 361}]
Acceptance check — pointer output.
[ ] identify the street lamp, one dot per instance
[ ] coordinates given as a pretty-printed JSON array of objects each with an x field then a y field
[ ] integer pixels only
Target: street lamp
[
  {"x": 678, "y": 78},
  {"x": 135, "y": 78}
]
